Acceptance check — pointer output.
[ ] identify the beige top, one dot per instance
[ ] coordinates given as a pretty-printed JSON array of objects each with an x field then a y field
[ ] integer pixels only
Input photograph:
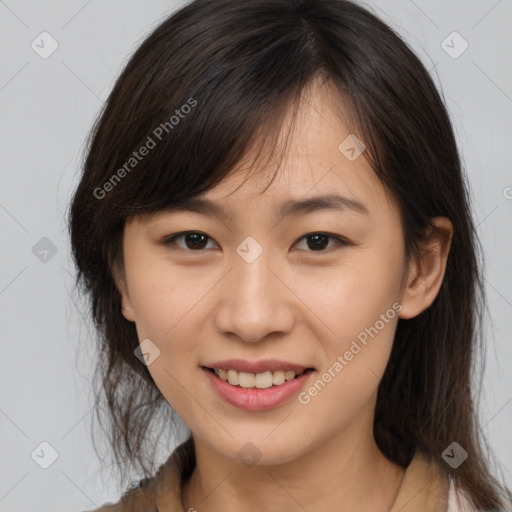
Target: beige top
[{"x": 423, "y": 488}]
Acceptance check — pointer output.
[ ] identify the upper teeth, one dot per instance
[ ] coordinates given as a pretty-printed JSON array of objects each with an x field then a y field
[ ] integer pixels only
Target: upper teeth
[{"x": 258, "y": 380}]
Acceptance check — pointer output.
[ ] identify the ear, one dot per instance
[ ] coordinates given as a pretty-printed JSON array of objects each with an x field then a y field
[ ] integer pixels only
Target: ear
[
  {"x": 426, "y": 271},
  {"x": 126, "y": 305}
]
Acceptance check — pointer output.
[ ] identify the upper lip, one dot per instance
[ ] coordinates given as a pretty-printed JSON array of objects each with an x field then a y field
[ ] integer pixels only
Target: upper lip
[{"x": 264, "y": 365}]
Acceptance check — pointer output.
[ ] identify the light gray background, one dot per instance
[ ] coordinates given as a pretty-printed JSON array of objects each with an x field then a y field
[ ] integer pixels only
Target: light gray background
[{"x": 47, "y": 108}]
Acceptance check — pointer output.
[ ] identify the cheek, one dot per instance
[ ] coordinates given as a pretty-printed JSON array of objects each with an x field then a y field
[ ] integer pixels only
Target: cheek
[
  {"x": 163, "y": 298},
  {"x": 355, "y": 360},
  {"x": 361, "y": 337},
  {"x": 169, "y": 310},
  {"x": 354, "y": 296},
  {"x": 166, "y": 306},
  {"x": 360, "y": 306}
]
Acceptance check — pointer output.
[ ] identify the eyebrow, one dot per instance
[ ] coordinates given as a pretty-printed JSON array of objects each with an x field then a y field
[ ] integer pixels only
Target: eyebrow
[{"x": 288, "y": 208}]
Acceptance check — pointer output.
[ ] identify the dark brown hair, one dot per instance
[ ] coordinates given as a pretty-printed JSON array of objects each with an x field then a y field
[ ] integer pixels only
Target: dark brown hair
[{"x": 216, "y": 79}]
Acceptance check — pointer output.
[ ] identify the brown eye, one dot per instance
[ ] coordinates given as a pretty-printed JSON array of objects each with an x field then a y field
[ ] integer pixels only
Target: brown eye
[
  {"x": 318, "y": 242},
  {"x": 194, "y": 240}
]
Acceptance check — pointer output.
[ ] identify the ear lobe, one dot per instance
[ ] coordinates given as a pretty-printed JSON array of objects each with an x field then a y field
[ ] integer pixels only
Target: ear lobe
[
  {"x": 126, "y": 306},
  {"x": 127, "y": 312},
  {"x": 426, "y": 272}
]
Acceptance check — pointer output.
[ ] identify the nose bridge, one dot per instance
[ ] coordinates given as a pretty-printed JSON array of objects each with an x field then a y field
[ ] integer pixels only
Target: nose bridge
[
  {"x": 252, "y": 277},
  {"x": 253, "y": 300}
]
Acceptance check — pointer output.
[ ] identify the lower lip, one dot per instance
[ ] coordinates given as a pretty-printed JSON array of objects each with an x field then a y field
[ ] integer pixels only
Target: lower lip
[{"x": 255, "y": 399}]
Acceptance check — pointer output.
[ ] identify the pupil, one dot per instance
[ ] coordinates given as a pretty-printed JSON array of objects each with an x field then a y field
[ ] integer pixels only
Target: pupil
[
  {"x": 192, "y": 235},
  {"x": 321, "y": 245}
]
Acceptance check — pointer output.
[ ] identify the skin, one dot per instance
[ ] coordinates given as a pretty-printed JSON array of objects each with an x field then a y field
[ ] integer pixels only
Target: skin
[{"x": 292, "y": 303}]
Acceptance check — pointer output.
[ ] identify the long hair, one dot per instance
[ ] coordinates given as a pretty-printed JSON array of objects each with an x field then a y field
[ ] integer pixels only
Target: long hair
[{"x": 216, "y": 79}]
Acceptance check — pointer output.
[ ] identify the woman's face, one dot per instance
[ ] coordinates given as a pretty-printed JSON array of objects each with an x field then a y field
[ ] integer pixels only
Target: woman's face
[{"x": 252, "y": 286}]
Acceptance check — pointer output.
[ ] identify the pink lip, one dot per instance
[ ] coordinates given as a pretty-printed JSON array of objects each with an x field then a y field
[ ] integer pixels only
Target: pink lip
[
  {"x": 265, "y": 365},
  {"x": 253, "y": 399}
]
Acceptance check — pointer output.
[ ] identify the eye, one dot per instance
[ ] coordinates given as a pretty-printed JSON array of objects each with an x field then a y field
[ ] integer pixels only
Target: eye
[
  {"x": 195, "y": 241},
  {"x": 319, "y": 241}
]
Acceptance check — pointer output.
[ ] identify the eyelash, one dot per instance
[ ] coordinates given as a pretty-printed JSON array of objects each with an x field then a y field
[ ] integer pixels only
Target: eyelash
[{"x": 170, "y": 240}]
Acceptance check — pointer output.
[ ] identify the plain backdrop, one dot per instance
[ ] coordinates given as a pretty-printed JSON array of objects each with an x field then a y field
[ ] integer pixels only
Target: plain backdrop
[{"x": 48, "y": 106}]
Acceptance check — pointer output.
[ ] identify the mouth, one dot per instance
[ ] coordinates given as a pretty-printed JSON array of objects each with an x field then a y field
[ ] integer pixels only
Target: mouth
[
  {"x": 261, "y": 380},
  {"x": 257, "y": 391}
]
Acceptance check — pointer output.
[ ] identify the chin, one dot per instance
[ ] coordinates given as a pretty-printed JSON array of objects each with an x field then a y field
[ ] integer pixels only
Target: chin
[{"x": 259, "y": 448}]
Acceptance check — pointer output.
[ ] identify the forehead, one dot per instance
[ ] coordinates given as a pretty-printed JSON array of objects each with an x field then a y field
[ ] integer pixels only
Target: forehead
[
  {"x": 322, "y": 157},
  {"x": 316, "y": 171}
]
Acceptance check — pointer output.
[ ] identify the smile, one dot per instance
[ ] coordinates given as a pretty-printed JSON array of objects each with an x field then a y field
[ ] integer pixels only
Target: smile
[
  {"x": 257, "y": 391},
  {"x": 256, "y": 380}
]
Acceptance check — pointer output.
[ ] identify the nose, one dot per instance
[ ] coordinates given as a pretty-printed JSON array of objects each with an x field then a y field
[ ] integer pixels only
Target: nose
[{"x": 255, "y": 301}]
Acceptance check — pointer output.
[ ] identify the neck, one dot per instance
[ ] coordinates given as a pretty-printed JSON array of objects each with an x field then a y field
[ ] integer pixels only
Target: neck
[{"x": 346, "y": 472}]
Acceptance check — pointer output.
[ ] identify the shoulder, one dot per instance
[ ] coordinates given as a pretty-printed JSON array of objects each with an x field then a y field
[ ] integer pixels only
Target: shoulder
[
  {"x": 138, "y": 498},
  {"x": 161, "y": 491},
  {"x": 458, "y": 502}
]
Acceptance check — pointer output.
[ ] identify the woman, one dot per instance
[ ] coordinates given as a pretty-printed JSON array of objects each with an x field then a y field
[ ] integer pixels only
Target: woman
[{"x": 315, "y": 331}]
